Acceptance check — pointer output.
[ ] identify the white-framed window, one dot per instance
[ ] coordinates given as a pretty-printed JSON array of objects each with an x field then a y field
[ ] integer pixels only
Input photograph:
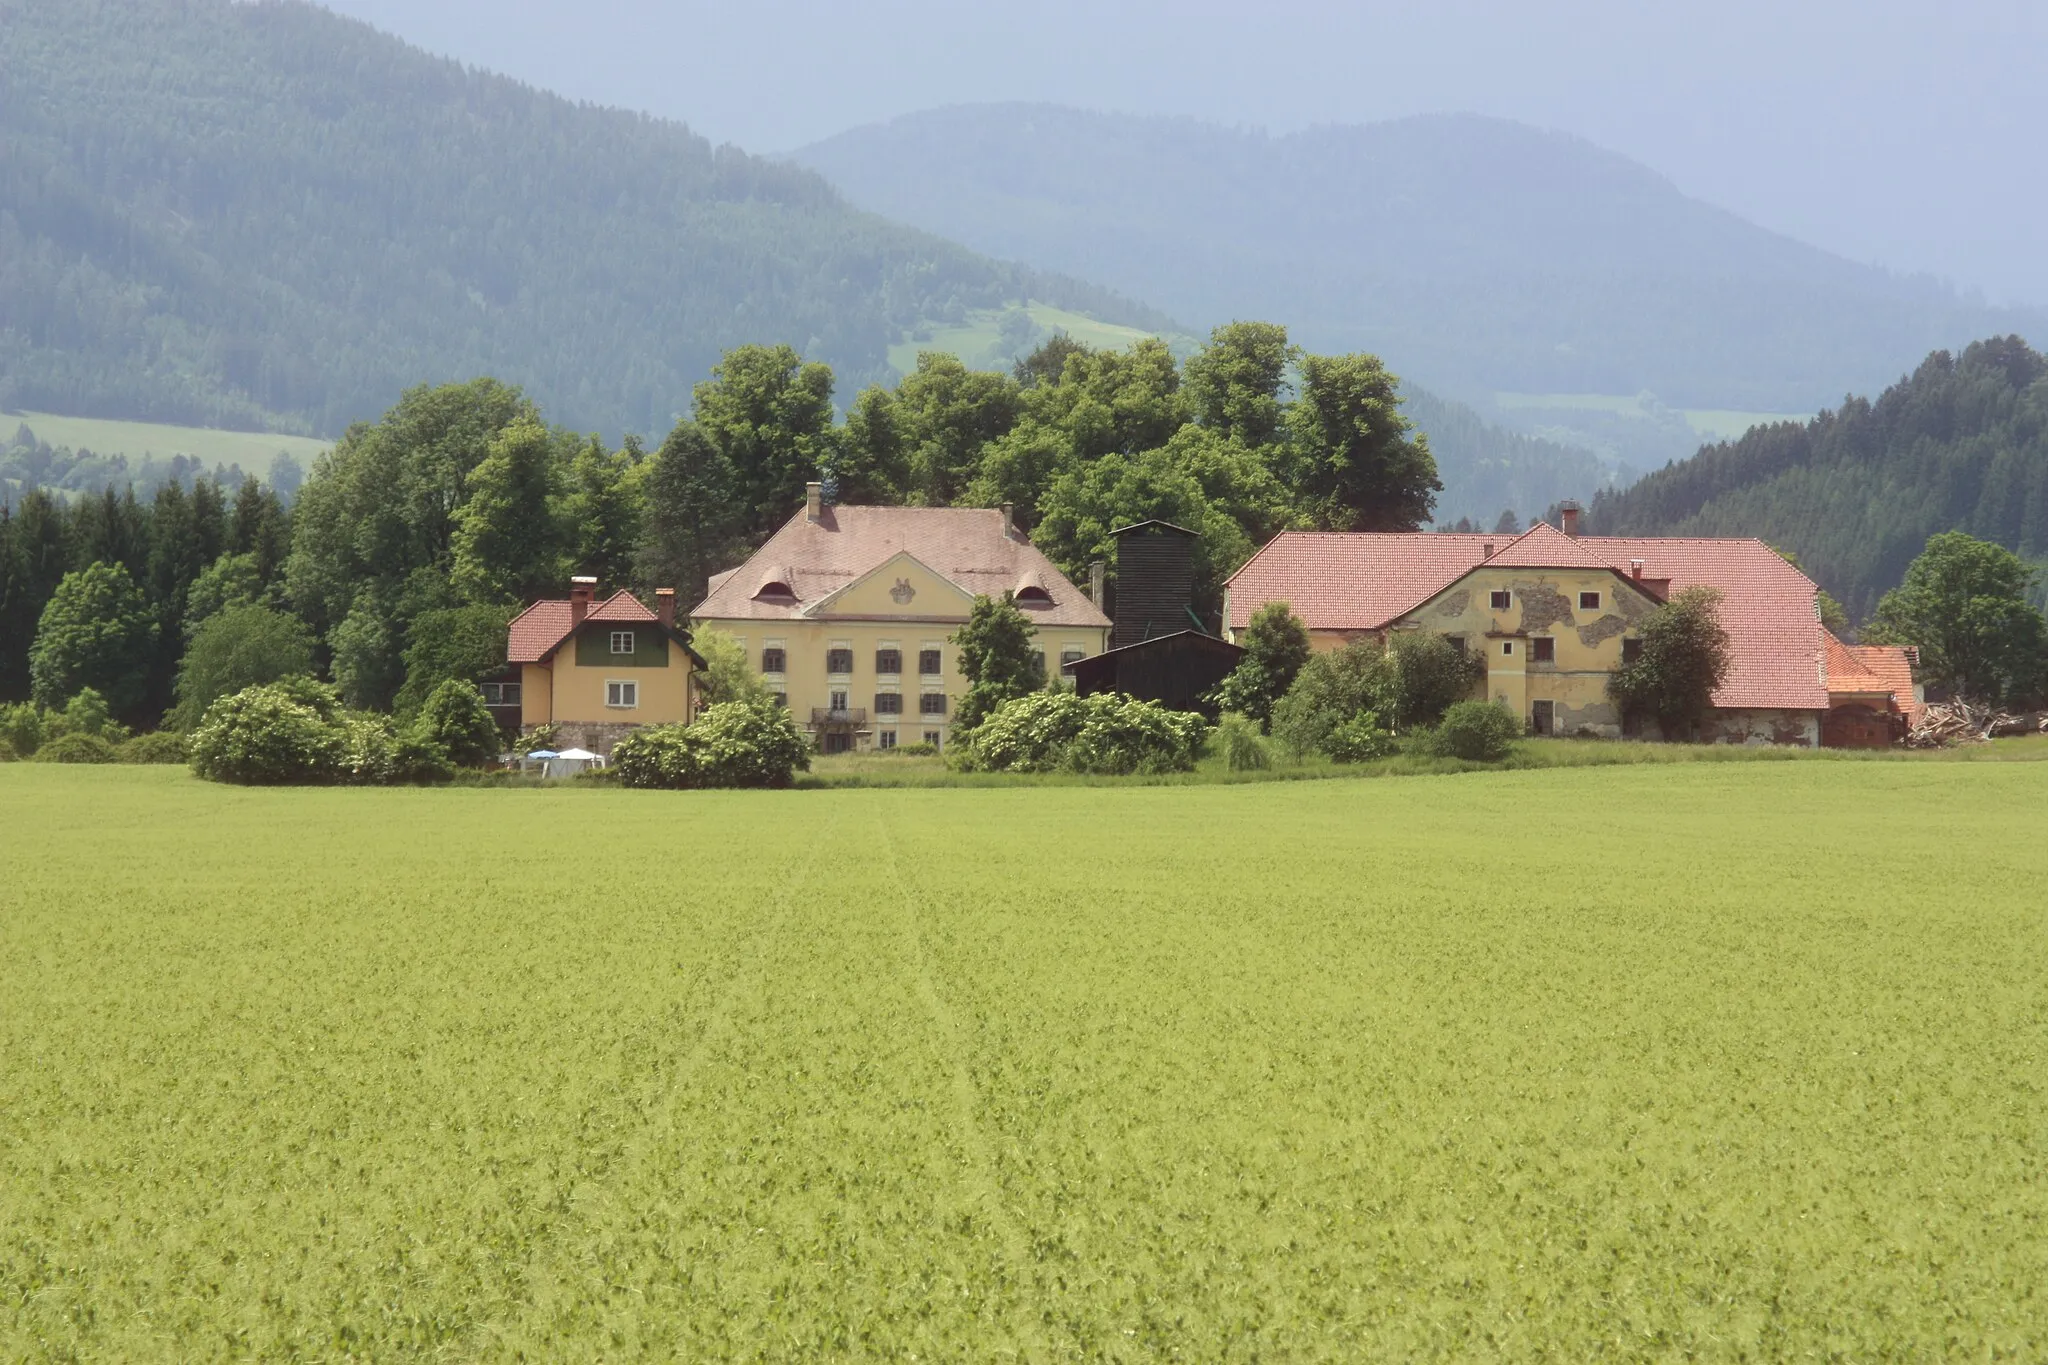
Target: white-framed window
[
  {"x": 621, "y": 693},
  {"x": 839, "y": 658},
  {"x": 886, "y": 739},
  {"x": 1507, "y": 646},
  {"x": 1589, "y": 601},
  {"x": 1071, "y": 655},
  {"x": 622, "y": 642},
  {"x": 934, "y": 738},
  {"x": 1499, "y": 599}
]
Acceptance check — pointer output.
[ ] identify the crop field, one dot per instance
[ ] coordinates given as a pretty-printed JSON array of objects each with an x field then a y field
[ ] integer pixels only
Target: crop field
[
  {"x": 1707, "y": 1061},
  {"x": 253, "y": 450}
]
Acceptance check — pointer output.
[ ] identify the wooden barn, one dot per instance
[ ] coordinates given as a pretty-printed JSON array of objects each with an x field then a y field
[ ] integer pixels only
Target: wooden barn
[{"x": 1174, "y": 670}]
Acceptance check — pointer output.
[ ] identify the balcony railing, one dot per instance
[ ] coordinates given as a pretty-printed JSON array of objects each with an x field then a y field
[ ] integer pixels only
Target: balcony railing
[{"x": 839, "y": 715}]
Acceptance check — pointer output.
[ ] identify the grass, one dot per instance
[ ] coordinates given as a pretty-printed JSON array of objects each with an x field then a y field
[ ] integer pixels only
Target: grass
[
  {"x": 971, "y": 340},
  {"x": 1714, "y": 424},
  {"x": 104, "y": 436},
  {"x": 1730, "y": 1060}
]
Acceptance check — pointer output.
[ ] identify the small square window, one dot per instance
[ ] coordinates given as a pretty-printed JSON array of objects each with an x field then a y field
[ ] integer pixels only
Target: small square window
[
  {"x": 625, "y": 695},
  {"x": 1501, "y": 601},
  {"x": 930, "y": 662},
  {"x": 1543, "y": 650},
  {"x": 932, "y": 704},
  {"x": 773, "y": 660},
  {"x": 888, "y": 703},
  {"x": 886, "y": 739},
  {"x": 888, "y": 661},
  {"x": 622, "y": 642},
  {"x": 1631, "y": 650},
  {"x": 839, "y": 661},
  {"x": 1507, "y": 646},
  {"x": 931, "y": 737},
  {"x": 1071, "y": 656},
  {"x": 1589, "y": 601}
]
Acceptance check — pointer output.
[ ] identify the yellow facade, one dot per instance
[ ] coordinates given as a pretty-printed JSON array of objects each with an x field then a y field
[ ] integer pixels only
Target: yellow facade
[
  {"x": 1584, "y": 615},
  {"x": 902, "y": 606},
  {"x": 561, "y": 691}
]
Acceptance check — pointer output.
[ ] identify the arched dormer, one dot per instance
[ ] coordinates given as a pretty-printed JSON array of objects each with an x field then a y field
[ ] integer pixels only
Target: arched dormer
[{"x": 1032, "y": 592}]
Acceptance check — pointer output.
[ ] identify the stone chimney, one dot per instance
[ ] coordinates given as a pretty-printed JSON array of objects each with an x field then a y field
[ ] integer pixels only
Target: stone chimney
[
  {"x": 1095, "y": 575},
  {"x": 1568, "y": 517},
  {"x": 1009, "y": 521},
  {"x": 665, "y": 607},
  {"x": 581, "y": 591},
  {"x": 814, "y": 501}
]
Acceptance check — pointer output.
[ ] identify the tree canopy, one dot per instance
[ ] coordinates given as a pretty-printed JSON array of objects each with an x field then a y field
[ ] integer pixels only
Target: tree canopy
[{"x": 1964, "y": 603}]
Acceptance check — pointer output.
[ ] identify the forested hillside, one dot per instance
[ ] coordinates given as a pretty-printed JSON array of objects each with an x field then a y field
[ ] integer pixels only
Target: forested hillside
[
  {"x": 264, "y": 215},
  {"x": 1476, "y": 255},
  {"x": 1960, "y": 444}
]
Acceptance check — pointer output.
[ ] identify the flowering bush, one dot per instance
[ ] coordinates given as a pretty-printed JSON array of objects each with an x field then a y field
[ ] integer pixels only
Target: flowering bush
[
  {"x": 282, "y": 732},
  {"x": 1064, "y": 732},
  {"x": 732, "y": 744},
  {"x": 1359, "y": 740}
]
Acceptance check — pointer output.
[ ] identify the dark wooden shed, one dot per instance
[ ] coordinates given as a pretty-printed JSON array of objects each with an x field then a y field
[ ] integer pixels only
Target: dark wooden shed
[
  {"x": 1174, "y": 670},
  {"x": 1155, "y": 582}
]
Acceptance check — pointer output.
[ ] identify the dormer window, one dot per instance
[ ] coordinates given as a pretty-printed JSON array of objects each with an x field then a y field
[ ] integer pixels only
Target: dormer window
[
  {"x": 622, "y": 642},
  {"x": 1033, "y": 596},
  {"x": 774, "y": 587}
]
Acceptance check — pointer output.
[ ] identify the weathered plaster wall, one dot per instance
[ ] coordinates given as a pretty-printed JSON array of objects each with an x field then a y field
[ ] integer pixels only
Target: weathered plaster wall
[{"x": 1798, "y": 728}]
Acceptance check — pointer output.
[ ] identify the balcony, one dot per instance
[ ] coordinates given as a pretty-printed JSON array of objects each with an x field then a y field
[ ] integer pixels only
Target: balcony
[{"x": 828, "y": 716}]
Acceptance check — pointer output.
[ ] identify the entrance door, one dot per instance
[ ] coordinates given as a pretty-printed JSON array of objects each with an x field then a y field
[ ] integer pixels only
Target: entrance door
[
  {"x": 837, "y": 741},
  {"x": 1541, "y": 717}
]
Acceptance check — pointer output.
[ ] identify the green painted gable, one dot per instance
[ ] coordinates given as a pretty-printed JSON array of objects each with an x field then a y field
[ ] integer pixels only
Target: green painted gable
[{"x": 594, "y": 646}]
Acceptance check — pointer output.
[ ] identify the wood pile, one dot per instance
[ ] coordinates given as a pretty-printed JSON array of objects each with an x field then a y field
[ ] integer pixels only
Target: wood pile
[{"x": 1960, "y": 722}]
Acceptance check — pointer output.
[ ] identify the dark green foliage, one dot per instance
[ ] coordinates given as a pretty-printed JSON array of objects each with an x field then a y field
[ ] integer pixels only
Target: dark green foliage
[
  {"x": 464, "y": 644},
  {"x": 606, "y": 512},
  {"x": 77, "y": 747},
  {"x": 158, "y": 746},
  {"x": 242, "y": 646},
  {"x": 768, "y": 414},
  {"x": 294, "y": 216},
  {"x": 1964, "y": 602},
  {"x": 455, "y": 721},
  {"x": 281, "y": 733},
  {"x": 1477, "y": 731},
  {"x": 1359, "y": 740},
  {"x": 418, "y": 761},
  {"x": 511, "y": 533},
  {"x": 1959, "y": 445},
  {"x": 1329, "y": 691},
  {"x": 95, "y": 632},
  {"x": 996, "y": 657},
  {"x": 732, "y": 744},
  {"x": 1426, "y": 674},
  {"x": 1684, "y": 657},
  {"x": 1354, "y": 461},
  {"x": 21, "y": 728},
  {"x": 1276, "y": 645},
  {"x": 694, "y": 523},
  {"x": 1105, "y": 734}
]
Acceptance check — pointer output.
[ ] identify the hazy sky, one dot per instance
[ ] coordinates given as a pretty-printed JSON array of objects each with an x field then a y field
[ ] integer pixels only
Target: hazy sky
[{"x": 1902, "y": 132}]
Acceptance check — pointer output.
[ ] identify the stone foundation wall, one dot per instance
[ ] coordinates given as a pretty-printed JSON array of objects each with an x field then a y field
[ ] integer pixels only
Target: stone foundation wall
[
  {"x": 598, "y": 736},
  {"x": 1797, "y": 728}
]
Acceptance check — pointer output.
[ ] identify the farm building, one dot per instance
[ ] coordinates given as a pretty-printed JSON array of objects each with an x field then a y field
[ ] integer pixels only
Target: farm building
[
  {"x": 1160, "y": 650},
  {"x": 1554, "y": 613},
  {"x": 847, "y": 612},
  {"x": 595, "y": 670}
]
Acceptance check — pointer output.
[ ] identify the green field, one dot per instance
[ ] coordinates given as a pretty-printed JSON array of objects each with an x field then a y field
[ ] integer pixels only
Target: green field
[
  {"x": 1712, "y": 424},
  {"x": 972, "y": 339},
  {"x": 253, "y": 450},
  {"x": 1712, "y": 1061}
]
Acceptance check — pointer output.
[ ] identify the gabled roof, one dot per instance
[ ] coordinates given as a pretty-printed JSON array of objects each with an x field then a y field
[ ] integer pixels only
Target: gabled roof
[
  {"x": 971, "y": 548},
  {"x": 540, "y": 630},
  {"x": 1358, "y": 581},
  {"x": 1872, "y": 670}
]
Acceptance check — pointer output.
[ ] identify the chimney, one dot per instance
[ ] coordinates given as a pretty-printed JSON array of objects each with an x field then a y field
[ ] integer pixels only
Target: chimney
[
  {"x": 665, "y": 607},
  {"x": 1009, "y": 522},
  {"x": 1095, "y": 573},
  {"x": 1635, "y": 569},
  {"x": 581, "y": 591},
  {"x": 814, "y": 501},
  {"x": 1568, "y": 517},
  {"x": 1486, "y": 550}
]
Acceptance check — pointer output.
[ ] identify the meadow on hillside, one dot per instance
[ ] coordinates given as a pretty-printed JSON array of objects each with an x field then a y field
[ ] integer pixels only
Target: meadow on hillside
[{"x": 1704, "y": 1061}]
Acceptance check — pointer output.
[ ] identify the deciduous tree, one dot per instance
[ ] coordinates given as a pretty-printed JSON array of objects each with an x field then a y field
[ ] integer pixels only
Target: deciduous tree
[
  {"x": 1684, "y": 657},
  {"x": 97, "y": 631},
  {"x": 1964, "y": 603},
  {"x": 1354, "y": 462}
]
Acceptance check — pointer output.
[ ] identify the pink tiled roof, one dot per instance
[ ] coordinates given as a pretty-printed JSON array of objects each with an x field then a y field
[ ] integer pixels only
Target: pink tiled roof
[
  {"x": 1354, "y": 581},
  {"x": 1873, "y": 668},
  {"x": 965, "y": 545},
  {"x": 539, "y": 630}
]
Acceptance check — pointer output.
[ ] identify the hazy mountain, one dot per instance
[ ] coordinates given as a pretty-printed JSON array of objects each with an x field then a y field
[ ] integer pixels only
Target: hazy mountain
[
  {"x": 1476, "y": 255},
  {"x": 268, "y": 215},
  {"x": 1961, "y": 444}
]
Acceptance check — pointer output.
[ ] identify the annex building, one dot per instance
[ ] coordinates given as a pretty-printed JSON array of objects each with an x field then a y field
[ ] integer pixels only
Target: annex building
[
  {"x": 1554, "y": 613},
  {"x": 847, "y": 610},
  {"x": 595, "y": 670}
]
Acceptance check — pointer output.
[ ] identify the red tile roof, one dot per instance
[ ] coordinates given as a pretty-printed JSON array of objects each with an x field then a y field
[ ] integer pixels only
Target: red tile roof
[
  {"x": 1355, "y": 581},
  {"x": 965, "y": 545},
  {"x": 540, "y": 630},
  {"x": 1870, "y": 669}
]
